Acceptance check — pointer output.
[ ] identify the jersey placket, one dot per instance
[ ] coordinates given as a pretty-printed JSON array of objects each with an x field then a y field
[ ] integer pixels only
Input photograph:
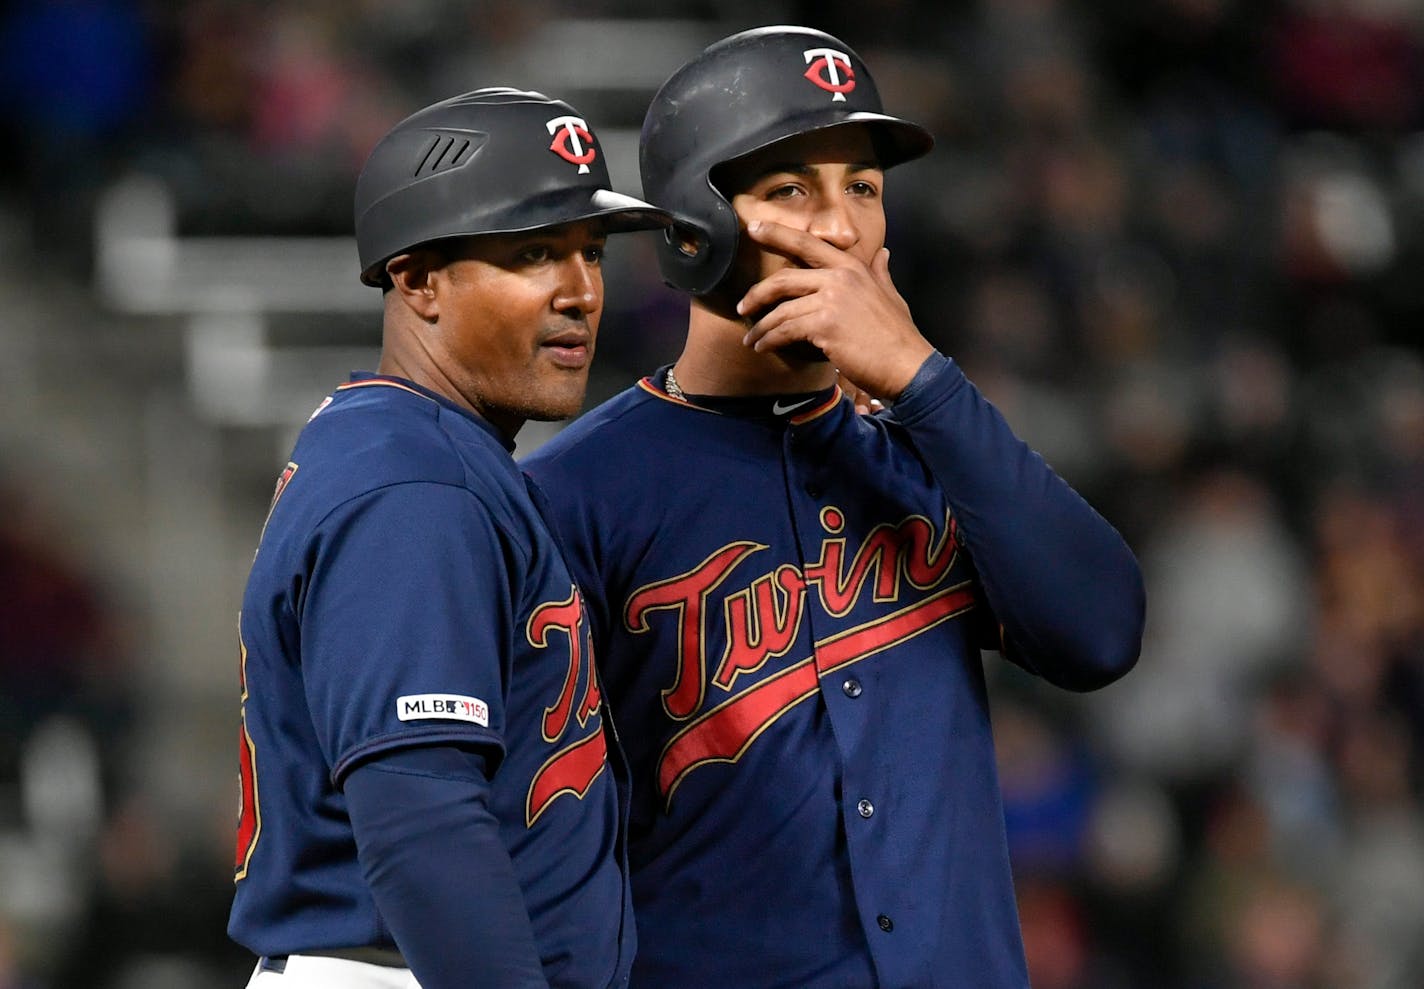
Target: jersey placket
[{"x": 845, "y": 684}]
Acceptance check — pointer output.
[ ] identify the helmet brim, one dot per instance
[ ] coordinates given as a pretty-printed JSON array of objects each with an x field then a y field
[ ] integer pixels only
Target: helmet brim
[
  {"x": 896, "y": 140},
  {"x": 618, "y": 213},
  {"x": 624, "y": 214}
]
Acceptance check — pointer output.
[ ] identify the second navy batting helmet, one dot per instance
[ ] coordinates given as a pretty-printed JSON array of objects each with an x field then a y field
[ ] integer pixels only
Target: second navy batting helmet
[
  {"x": 741, "y": 94},
  {"x": 495, "y": 160}
]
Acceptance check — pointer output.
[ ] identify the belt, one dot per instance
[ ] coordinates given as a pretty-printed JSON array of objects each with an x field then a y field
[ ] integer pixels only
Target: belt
[{"x": 370, "y": 955}]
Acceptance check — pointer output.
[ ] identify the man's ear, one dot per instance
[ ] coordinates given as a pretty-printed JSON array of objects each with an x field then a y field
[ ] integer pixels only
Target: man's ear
[{"x": 414, "y": 278}]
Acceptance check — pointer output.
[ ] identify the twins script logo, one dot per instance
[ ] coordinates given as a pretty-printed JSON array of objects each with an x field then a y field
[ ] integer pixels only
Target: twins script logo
[
  {"x": 572, "y": 141},
  {"x": 573, "y": 768},
  {"x": 830, "y": 70},
  {"x": 282, "y": 481},
  {"x": 762, "y": 621}
]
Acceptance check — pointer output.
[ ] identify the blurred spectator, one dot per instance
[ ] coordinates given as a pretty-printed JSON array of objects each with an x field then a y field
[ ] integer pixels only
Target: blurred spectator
[
  {"x": 1348, "y": 64},
  {"x": 1287, "y": 772},
  {"x": 1279, "y": 939},
  {"x": 1048, "y": 791},
  {"x": 159, "y": 902},
  {"x": 61, "y": 647},
  {"x": 75, "y": 83},
  {"x": 1059, "y": 941},
  {"x": 269, "y": 113},
  {"x": 1379, "y": 884},
  {"x": 11, "y": 971},
  {"x": 66, "y": 702},
  {"x": 1227, "y": 586}
]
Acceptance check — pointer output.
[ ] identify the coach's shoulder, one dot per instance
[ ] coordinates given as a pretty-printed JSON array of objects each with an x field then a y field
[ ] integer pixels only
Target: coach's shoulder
[{"x": 607, "y": 432}]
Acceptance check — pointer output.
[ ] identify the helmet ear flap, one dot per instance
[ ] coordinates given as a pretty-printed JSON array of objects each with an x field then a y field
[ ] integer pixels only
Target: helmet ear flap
[
  {"x": 686, "y": 239},
  {"x": 695, "y": 255}
]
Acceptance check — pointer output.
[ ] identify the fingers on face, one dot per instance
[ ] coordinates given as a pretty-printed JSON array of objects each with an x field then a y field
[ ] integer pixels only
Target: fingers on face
[
  {"x": 797, "y": 244},
  {"x": 788, "y": 283},
  {"x": 797, "y": 319}
]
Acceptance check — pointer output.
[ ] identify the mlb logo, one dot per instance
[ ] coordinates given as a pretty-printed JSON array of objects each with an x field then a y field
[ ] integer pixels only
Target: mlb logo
[{"x": 442, "y": 707}]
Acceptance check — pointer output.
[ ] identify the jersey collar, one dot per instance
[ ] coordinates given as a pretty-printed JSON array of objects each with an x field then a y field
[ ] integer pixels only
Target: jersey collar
[
  {"x": 794, "y": 409},
  {"x": 367, "y": 379}
]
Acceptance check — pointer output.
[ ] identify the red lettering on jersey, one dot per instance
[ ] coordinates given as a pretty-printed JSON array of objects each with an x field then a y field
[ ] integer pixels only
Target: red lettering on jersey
[
  {"x": 686, "y": 596},
  {"x": 249, "y": 814},
  {"x": 724, "y": 733},
  {"x": 592, "y": 696},
  {"x": 564, "y": 616},
  {"x": 926, "y": 562},
  {"x": 283, "y": 480},
  {"x": 888, "y": 550},
  {"x": 571, "y": 771},
  {"x": 761, "y": 623}
]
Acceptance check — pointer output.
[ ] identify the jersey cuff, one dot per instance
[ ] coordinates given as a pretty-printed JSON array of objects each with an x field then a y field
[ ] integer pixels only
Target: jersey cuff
[
  {"x": 487, "y": 743},
  {"x": 937, "y": 380}
]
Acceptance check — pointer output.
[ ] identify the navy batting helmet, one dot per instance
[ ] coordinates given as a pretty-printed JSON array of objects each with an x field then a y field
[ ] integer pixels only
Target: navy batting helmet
[
  {"x": 742, "y": 94},
  {"x": 495, "y": 160}
]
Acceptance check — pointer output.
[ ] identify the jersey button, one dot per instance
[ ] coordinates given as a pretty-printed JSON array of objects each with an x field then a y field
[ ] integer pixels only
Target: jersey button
[
  {"x": 865, "y": 808},
  {"x": 886, "y": 924},
  {"x": 851, "y": 688}
]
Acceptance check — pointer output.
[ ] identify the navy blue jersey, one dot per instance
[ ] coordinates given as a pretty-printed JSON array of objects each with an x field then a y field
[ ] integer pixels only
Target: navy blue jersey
[
  {"x": 407, "y": 592},
  {"x": 788, "y": 614}
]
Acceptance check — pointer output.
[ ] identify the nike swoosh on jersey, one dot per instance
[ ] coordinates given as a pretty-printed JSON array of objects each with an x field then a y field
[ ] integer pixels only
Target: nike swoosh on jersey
[{"x": 777, "y": 409}]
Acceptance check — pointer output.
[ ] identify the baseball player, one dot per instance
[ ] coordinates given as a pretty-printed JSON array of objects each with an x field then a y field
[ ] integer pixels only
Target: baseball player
[
  {"x": 790, "y": 622},
  {"x": 428, "y": 783}
]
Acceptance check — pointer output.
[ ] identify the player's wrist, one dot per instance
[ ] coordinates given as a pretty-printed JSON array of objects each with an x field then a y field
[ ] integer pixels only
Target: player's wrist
[
  {"x": 926, "y": 370},
  {"x": 907, "y": 370}
]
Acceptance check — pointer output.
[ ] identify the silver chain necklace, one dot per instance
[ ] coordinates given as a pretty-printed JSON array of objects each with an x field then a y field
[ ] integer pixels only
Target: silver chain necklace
[{"x": 671, "y": 386}]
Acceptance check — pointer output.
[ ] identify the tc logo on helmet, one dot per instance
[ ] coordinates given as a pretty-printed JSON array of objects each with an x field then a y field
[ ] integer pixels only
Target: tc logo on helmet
[
  {"x": 572, "y": 141},
  {"x": 830, "y": 70}
]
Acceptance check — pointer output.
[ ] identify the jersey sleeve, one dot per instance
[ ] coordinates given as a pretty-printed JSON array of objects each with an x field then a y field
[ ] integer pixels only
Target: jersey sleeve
[
  {"x": 431, "y": 853},
  {"x": 407, "y": 624},
  {"x": 1066, "y": 589}
]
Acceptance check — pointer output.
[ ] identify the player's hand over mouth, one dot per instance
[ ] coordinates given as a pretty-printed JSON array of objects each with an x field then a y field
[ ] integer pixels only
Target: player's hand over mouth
[{"x": 848, "y": 310}]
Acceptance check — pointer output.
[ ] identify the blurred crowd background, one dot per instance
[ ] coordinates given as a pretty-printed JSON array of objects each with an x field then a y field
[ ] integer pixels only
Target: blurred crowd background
[{"x": 1179, "y": 243}]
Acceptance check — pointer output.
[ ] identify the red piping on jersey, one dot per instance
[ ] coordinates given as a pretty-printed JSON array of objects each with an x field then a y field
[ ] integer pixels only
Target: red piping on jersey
[
  {"x": 385, "y": 382},
  {"x": 647, "y": 385},
  {"x": 820, "y": 410}
]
